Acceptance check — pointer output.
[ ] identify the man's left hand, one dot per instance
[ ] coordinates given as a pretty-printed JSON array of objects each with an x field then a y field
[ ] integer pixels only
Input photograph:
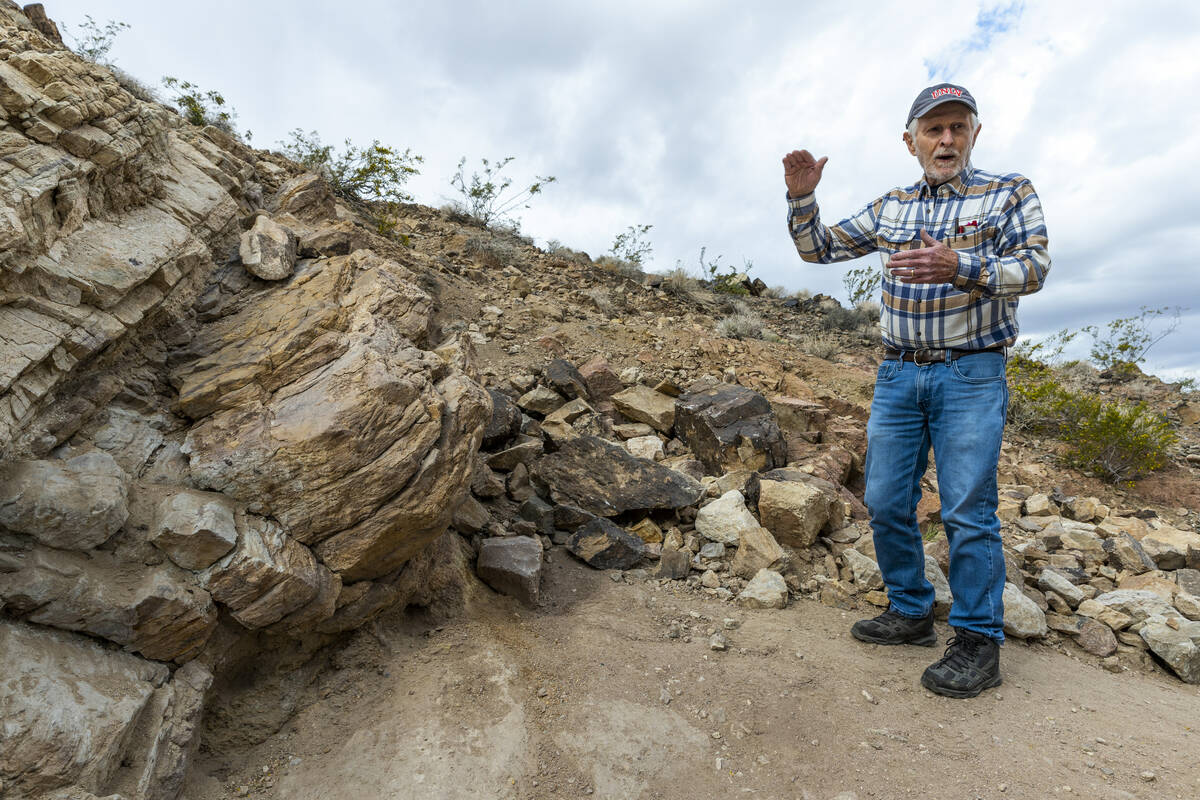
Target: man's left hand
[{"x": 932, "y": 263}]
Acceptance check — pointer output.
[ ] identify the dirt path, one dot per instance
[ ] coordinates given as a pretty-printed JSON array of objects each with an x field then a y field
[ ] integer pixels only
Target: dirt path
[{"x": 571, "y": 700}]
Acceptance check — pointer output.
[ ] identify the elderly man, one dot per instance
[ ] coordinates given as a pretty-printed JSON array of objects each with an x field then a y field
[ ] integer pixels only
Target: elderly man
[{"x": 958, "y": 248}]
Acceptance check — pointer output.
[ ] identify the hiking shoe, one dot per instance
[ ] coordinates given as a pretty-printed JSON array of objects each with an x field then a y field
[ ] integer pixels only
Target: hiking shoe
[
  {"x": 891, "y": 627},
  {"x": 970, "y": 665}
]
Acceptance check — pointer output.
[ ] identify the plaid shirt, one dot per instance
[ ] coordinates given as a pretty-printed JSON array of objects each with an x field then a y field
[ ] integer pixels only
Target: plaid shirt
[{"x": 993, "y": 221}]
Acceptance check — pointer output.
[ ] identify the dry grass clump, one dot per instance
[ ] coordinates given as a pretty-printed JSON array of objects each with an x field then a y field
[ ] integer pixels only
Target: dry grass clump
[
  {"x": 601, "y": 299},
  {"x": 490, "y": 252},
  {"x": 679, "y": 283},
  {"x": 819, "y": 346},
  {"x": 556, "y": 248},
  {"x": 620, "y": 266},
  {"x": 741, "y": 324},
  {"x": 132, "y": 85}
]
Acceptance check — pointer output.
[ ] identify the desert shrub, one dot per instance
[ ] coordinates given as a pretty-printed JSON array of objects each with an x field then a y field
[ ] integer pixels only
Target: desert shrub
[
  {"x": 375, "y": 173},
  {"x": 862, "y": 284},
  {"x": 802, "y": 295},
  {"x": 202, "y": 108},
  {"x": 93, "y": 41},
  {"x": 776, "y": 292},
  {"x": 723, "y": 278},
  {"x": 490, "y": 251},
  {"x": 1124, "y": 342},
  {"x": 1116, "y": 441},
  {"x": 486, "y": 198},
  {"x": 632, "y": 246},
  {"x": 679, "y": 283},
  {"x": 742, "y": 324}
]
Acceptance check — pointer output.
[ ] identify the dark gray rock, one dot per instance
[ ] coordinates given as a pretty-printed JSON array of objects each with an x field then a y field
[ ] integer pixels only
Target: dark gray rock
[
  {"x": 512, "y": 566},
  {"x": 1125, "y": 552},
  {"x": 505, "y": 422},
  {"x": 569, "y": 517},
  {"x": 674, "y": 564},
  {"x": 718, "y": 420},
  {"x": 604, "y": 479},
  {"x": 566, "y": 380},
  {"x": 603, "y": 545},
  {"x": 520, "y": 453},
  {"x": 485, "y": 482},
  {"x": 539, "y": 512}
]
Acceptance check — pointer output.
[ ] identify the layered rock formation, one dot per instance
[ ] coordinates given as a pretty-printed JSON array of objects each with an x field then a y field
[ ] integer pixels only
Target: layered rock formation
[{"x": 221, "y": 421}]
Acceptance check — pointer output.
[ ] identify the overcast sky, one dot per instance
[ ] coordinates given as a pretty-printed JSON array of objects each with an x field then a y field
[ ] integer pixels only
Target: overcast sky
[{"x": 676, "y": 115}]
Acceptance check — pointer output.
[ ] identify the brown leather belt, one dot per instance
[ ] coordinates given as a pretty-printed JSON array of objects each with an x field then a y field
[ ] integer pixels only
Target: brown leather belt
[{"x": 930, "y": 356}]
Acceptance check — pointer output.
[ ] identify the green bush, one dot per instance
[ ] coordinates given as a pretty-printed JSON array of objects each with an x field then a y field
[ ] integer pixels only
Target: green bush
[
  {"x": 93, "y": 41},
  {"x": 486, "y": 199},
  {"x": 862, "y": 284},
  {"x": 203, "y": 108},
  {"x": 632, "y": 245},
  {"x": 1118, "y": 442},
  {"x": 1123, "y": 343}
]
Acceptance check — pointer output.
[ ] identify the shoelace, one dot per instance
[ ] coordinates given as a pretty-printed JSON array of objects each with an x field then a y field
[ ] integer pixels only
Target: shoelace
[{"x": 960, "y": 652}]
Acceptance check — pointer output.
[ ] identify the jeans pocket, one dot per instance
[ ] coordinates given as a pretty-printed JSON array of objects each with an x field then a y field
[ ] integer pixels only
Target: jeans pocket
[
  {"x": 887, "y": 370},
  {"x": 979, "y": 368}
]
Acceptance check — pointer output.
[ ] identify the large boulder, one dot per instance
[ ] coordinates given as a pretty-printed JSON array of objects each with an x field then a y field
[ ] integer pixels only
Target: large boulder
[
  {"x": 729, "y": 427},
  {"x": 268, "y": 249},
  {"x": 797, "y": 512},
  {"x": 354, "y": 439},
  {"x": 604, "y": 479},
  {"x": 757, "y": 549},
  {"x": 75, "y": 504},
  {"x": 158, "y": 611},
  {"x": 505, "y": 422},
  {"x": 1171, "y": 548},
  {"x": 1177, "y": 644},
  {"x": 71, "y": 710}
]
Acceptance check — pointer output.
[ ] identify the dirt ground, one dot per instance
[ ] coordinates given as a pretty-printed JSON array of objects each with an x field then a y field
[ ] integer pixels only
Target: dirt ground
[{"x": 589, "y": 695}]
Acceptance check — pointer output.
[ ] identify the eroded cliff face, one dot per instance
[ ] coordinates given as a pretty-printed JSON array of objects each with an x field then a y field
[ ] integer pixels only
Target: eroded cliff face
[{"x": 222, "y": 422}]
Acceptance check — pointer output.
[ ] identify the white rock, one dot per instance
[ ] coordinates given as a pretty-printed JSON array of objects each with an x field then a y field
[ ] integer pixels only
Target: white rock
[
  {"x": 195, "y": 529},
  {"x": 1022, "y": 617},
  {"x": 866, "y": 572},
  {"x": 1179, "y": 648},
  {"x": 268, "y": 250},
  {"x": 766, "y": 590},
  {"x": 1136, "y": 603},
  {"x": 724, "y": 519},
  {"x": 647, "y": 447}
]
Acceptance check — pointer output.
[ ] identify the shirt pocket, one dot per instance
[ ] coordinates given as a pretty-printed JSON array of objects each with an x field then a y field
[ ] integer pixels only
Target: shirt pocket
[{"x": 894, "y": 239}]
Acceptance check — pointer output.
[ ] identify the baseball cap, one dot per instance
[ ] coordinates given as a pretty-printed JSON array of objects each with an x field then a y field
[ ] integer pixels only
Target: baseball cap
[{"x": 935, "y": 95}]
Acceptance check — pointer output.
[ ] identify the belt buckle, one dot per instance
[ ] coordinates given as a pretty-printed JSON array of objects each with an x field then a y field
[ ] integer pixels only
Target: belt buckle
[{"x": 924, "y": 357}]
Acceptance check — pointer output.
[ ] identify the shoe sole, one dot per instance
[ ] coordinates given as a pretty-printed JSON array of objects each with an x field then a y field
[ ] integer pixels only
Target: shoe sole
[
  {"x": 925, "y": 641},
  {"x": 960, "y": 694}
]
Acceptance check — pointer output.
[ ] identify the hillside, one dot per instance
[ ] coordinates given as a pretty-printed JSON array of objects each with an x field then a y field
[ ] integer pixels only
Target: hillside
[{"x": 290, "y": 507}]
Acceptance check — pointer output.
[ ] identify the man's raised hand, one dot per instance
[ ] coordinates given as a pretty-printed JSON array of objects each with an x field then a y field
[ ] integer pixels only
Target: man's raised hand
[{"x": 802, "y": 172}]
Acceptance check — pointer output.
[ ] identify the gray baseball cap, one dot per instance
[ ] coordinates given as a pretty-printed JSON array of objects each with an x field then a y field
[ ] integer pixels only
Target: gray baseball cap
[{"x": 935, "y": 95}]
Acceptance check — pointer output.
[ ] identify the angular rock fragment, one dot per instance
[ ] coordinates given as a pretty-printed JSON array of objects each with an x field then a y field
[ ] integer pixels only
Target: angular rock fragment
[
  {"x": 647, "y": 447},
  {"x": 75, "y": 504},
  {"x": 470, "y": 516},
  {"x": 1178, "y": 646},
  {"x": 865, "y": 571},
  {"x": 602, "y": 382},
  {"x": 1138, "y": 605},
  {"x": 1170, "y": 548},
  {"x": 767, "y": 589},
  {"x": 194, "y": 529},
  {"x": 566, "y": 380},
  {"x": 796, "y": 512},
  {"x": 604, "y": 479},
  {"x": 729, "y": 427},
  {"x": 1125, "y": 552},
  {"x": 1096, "y": 638},
  {"x": 505, "y": 421},
  {"x": 540, "y": 400},
  {"x": 268, "y": 576},
  {"x": 603, "y": 545},
  {"x": 523, "y": 452},
  {"x": 1022, "y": 618},
  {"x": 512, "y": 565},
  {"x": 757, "y": 549},
  {"x": 674, "y": 564},
  {"x": 1053, "y": 581},
  {"x": 643, "y": 404},
  {"x": 725, "y": 519}
]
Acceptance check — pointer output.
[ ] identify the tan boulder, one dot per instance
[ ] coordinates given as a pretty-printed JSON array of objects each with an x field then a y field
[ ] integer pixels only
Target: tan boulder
[
  {"x": 75, "y": 504},
  {"x": 268, "y": 249},
  {"x": 757, "y": 549},
  {"x": 194, "y": 529},
  {"x": 643, "y": 404},
  {"x": 796, "y": 512}
]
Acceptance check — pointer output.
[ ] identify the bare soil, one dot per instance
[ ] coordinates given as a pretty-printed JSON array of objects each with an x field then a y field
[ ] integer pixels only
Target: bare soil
[{"x": 588, "y": 695}]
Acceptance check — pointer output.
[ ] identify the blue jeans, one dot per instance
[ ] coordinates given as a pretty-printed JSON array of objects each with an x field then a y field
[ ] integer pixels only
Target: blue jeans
[{"x": 959, "y": 407}]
